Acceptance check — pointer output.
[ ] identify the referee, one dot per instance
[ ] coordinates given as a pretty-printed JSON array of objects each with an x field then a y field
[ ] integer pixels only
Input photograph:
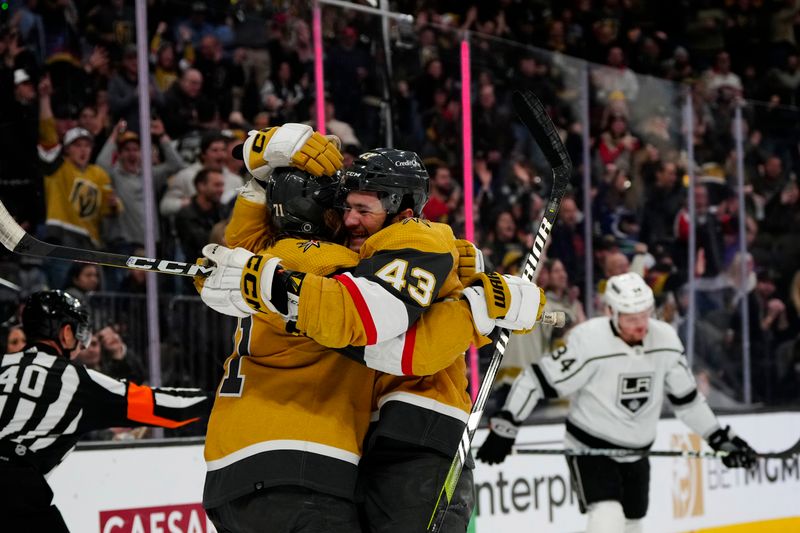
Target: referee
[{"x": 47, "y": 402}]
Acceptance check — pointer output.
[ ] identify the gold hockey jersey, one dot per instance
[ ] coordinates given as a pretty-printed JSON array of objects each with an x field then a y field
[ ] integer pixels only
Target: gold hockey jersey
[
  {"x": 288, "y": 410},
  {"x": 402, "y": 270},
  {"x": 77, "y": 200}
]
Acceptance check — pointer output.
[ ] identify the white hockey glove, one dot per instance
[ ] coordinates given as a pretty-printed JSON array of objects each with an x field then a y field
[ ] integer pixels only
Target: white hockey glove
[
  {"x": 503, "y": 431},
  {"x": 504, "y": 301},
  {"x": 296, "y": 145},
  {"x": 245, "y": 283},
  {"x": 221, "y": 289}
]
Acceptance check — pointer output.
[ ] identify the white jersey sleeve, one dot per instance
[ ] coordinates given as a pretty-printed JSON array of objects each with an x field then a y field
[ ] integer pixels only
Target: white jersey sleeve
[
  {"x": 689, "y": 403},
  {"x": 558, "y": 374}
]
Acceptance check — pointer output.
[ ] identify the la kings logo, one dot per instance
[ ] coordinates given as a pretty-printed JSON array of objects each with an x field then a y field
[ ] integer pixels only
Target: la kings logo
[{"x": 634, "y": 391}]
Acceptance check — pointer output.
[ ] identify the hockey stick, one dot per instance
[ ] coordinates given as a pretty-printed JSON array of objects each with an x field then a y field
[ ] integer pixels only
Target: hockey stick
[
  {"x": 19, "y": 241},
  {"x": 533, "y": 115},
  {"x": 9, "y": 285},
  {"x": 613, "y": 452}
]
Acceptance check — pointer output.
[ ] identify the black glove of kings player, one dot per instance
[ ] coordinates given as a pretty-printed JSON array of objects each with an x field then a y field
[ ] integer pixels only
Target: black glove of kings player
[
  {"x": 502, "y": 433},
  {"x": 740, "y": 454}
]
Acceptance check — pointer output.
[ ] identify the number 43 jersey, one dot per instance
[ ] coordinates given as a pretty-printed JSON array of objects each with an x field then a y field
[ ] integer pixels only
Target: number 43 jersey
[
  {"x": 616, "y": 390},
  {"x": 402, "y": 270}
]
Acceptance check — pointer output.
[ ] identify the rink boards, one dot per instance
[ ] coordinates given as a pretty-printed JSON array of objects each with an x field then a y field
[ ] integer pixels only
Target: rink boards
[{"x": 157, "y": 489}]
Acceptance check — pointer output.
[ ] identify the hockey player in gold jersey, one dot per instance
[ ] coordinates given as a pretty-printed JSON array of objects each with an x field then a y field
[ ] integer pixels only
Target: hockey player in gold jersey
[
  {"x": 286, "y": 432},
  {"x": 402, "y": 270}
]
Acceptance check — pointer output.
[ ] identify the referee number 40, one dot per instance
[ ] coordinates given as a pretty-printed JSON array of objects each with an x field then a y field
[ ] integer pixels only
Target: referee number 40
[{"x": 30, "y": 384}]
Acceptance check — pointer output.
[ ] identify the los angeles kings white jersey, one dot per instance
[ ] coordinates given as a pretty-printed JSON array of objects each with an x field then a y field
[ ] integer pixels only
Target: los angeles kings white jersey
[{"x": 616, "y": 390}]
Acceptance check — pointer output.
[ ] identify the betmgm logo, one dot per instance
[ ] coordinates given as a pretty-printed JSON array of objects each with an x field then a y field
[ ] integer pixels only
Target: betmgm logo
[{"x": 687, "y": 477}]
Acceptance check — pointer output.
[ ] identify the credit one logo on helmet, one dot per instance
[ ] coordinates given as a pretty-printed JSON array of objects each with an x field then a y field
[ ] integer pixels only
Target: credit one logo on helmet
[
  {"x": 409, "y": 163},
  {"x": 687, "y": 478}
]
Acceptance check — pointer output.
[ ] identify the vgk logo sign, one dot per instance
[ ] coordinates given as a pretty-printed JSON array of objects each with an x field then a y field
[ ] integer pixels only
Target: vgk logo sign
[
  {"x": 84, "y": 197},
  {"x": 687, "y": 478},
  {"x": 634, "y": 391}
]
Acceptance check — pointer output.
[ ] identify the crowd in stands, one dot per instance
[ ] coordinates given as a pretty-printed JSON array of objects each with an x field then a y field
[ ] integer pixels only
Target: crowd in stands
[{"x": 70, "y": 142}]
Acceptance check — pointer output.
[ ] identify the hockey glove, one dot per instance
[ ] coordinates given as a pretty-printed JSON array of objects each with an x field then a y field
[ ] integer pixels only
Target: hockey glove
[
  {"x": 504, "y": 301},
  {"x": 220, "y": 290},
  {"x": 740, "y": 454},
  {"x": 244, "y": 283},
  {"x": 502, "y": 433},
  {"x": 296, "y": 145},
  {"x": 470, "y": 260}
]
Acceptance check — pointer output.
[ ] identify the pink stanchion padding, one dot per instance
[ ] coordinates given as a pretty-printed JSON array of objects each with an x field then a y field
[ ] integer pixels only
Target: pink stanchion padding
[
  {"x": 319, "y": 80},
  {"x": 469, "y": 222}
]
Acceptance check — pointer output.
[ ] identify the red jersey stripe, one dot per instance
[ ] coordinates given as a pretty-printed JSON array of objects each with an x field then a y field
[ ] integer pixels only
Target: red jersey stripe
[{"x": 361, "y": 307}]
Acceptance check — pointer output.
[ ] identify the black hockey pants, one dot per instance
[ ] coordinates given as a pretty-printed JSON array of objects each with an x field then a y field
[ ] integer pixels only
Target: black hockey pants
[
  {"x": 286, "y": 509},
  {"x": 399, "y": 484}
]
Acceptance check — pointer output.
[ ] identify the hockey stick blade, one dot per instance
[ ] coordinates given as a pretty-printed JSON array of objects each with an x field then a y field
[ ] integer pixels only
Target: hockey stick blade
[
  {"x": 17, "y": 240},
  {"x": 791, "y": 451},
  {"x": 533, "y": 115}
]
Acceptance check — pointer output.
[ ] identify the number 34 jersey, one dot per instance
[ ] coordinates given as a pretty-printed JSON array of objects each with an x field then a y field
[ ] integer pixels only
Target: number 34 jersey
[{"x": 616, "y": 390}]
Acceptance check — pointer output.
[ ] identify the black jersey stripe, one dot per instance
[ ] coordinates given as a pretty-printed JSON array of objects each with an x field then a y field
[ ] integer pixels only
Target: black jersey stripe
[
  {"x": 547, "y": 389},
  {"x": 594, "y": 441},
  {"x": 56, "y": 410},
  {"x": 683, "y": 400},
  {"x": 50, "y": 391},
  {"x": 675, "y": 350}
]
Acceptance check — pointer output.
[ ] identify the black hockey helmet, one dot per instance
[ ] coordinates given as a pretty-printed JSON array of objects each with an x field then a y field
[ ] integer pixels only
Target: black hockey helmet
[
  {"x": 399, "y": 176},
  {"x": 298, "y": 201},
  {"x": 46, "y": 312}
]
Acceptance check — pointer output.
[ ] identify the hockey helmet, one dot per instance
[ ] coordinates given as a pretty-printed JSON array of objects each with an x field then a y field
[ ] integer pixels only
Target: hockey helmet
[
  {"x": 628, "y": 293},
  {"x": 298, "y": 201},
  {"x": 46, "y": 312},
  {"x": 399, "y": 176}
]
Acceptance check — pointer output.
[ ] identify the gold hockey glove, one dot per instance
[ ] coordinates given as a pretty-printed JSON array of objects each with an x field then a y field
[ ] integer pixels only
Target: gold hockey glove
[{"x": 470, "y": 261}]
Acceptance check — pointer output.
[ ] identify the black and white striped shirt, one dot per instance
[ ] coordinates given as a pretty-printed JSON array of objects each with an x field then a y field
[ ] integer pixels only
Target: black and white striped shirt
[{"x": 47, "y": 402}]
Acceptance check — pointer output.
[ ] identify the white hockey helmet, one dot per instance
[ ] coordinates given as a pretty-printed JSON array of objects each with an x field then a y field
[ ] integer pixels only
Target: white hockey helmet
[{"x": 628, "y": 293}]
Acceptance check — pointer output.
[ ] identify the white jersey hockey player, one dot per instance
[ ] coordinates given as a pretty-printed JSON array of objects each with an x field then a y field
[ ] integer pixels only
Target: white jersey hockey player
[{"x": 616, "y": 371}]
